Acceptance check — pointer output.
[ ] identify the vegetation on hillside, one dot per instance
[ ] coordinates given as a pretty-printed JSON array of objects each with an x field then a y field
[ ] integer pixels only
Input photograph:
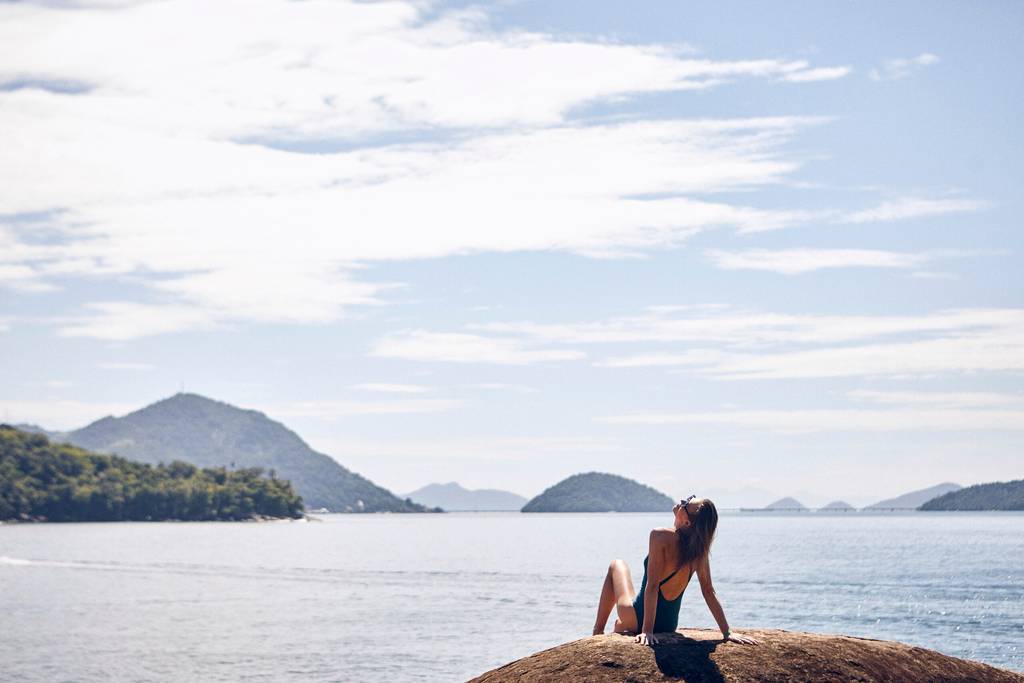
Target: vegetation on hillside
[
  {"x": 1003, "y": 495},
  {"x": 63, "y": 483},
  {"x": 599, "y": 492}
]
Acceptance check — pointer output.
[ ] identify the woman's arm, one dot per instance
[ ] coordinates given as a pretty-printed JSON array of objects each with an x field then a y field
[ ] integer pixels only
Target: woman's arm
[
  {"x": 655, "y": 567},
  {"x": 707, "y": 589}
]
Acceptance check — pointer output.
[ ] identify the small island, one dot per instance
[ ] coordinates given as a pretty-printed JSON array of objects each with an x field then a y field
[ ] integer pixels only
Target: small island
[
  {"x": 837, "y": 506},
  {"x": 599, "y": 492},
  {"x": 44, "y": 481}
]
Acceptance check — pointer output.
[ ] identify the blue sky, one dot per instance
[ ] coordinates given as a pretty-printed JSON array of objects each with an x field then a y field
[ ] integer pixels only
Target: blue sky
[{"x": 747, "y": 252}]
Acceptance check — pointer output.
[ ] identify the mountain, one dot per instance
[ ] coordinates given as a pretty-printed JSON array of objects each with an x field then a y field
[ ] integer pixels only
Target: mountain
[
  {"x": 786, "y": 504},
  {"x": 599, "y": 492},
  {"x": 209, "y": 433},
  {"x": 44, "y": 481},
  {"x": 914, "y": 499},
  {"x": 838, "y": 506},
  {"x": 453, "y": 497},
  {"x": 1003, "y": 495}
]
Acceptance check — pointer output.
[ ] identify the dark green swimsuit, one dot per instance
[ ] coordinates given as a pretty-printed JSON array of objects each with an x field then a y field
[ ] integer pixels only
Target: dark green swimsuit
[{"x": 666, "y": 619}]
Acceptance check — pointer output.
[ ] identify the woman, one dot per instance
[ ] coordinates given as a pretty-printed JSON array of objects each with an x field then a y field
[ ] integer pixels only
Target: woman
[{"x": 674, "y": 556}]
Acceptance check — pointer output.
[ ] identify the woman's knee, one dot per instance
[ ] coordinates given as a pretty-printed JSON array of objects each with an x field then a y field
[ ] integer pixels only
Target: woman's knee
[{"x": 617, "y": 565}]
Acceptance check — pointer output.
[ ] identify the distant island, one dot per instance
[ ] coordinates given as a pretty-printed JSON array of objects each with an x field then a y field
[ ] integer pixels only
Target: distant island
[
  {"x": 208, "y": 433},
  {"x": 455, "y": 498},
  {"x": 1006, "y": 495},
  {"x": 837, "y": 506},
  {"x": 787, "y": 503},
  {"x": 43, "y": 481},
  {"x": 914, "y": 499},
  {"x": 599, "y": 492}
]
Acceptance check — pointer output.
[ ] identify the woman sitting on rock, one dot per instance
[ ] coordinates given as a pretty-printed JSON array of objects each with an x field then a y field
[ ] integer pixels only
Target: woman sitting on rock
[{"x": 674, "y": 556}]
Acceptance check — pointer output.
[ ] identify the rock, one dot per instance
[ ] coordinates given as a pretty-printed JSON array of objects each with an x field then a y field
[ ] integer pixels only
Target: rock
[{"x": 692, "y": 655}]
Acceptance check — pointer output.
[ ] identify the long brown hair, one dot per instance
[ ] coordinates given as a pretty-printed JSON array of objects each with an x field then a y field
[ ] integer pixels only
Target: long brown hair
[{"x": 695, "y": 540}]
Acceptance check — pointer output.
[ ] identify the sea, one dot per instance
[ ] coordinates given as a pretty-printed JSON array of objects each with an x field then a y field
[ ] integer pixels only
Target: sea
[{"x": 445, "y": 597}]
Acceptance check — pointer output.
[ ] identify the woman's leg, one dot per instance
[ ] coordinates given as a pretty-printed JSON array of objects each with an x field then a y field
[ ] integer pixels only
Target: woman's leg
[{"x": 617, "y": 592}]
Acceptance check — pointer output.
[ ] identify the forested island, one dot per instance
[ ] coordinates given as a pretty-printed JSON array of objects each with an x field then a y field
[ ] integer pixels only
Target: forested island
[
  {"x": 1002, "y": 495},
  {"x": 45, "y": 481},
  {"x": 599, "y": 492}
]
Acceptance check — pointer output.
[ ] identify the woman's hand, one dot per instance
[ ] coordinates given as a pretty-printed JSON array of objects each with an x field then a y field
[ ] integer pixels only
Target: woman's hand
[
  {"x": 646, "y": 639},
  {"x": 741, "y": 639}
]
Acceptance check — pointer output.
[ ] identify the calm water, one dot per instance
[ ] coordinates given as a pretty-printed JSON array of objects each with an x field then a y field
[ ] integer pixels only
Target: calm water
[{"x": 445, "y": 597}]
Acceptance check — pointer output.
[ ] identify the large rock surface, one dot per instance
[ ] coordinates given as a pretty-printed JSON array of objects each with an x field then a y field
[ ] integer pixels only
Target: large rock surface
[{"x": 781, "y": 656}]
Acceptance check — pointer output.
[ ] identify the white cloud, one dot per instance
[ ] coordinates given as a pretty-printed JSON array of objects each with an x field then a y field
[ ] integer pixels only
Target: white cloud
[
  {"x": 913, "y": 207},
  {"x": 174, "y": 167},
  {"x": 839, "y": 420},
  {"x": 392, "y": 388},
  {"x": 819, "y": 74},
  {"x": 901, "y": 208},
  {"x": 933, "y": 275},
  {"x": 693, "y": 358},
  {"x": 52, "y": 384},
  {"x": 23, "y": 278},
  {"x": 452, "y": 347},
  {"x": 117, "y": 365},
  {"x": 292, "y": 67},
  {"x": 331, "y": 410},
  {"x": 949, "y": 399},
  {"x": 743, "y": 329},
  {"x": 733, "y": 344},
  {"x": 480, "y": 448},
  {"x": 118, "y": 321},
  {"x": 895, "y": 69},
  {"x": 58, "y": 414},
  {"x": 796, "y": 261},
  {"x": 502, "y": 386},
  {"x": 998, "y": 350}
]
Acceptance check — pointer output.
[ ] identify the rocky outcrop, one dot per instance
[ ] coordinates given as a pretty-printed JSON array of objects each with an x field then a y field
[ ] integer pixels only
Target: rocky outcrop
[{"x": 780, "y": 656}]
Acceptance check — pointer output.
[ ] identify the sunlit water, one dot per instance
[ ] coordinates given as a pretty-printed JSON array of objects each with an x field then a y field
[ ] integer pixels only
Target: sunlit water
[{"x": 446, "y": 597}]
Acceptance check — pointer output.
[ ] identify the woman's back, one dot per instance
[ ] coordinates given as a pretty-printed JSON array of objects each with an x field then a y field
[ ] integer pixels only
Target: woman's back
[{"x": 666, "y": 618}]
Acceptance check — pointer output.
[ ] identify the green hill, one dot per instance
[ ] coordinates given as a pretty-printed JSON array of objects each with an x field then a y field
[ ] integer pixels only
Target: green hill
[
  {"x": 1003, "y": 495},
  {"x": 62, "y": 483},
  {"x": 599, "y": 492},
  {"x": 209, "y": 433}
]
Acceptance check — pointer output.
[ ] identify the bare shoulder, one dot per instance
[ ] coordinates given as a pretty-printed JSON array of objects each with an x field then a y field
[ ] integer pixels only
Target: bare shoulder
[{"x": 662, "y": 536}]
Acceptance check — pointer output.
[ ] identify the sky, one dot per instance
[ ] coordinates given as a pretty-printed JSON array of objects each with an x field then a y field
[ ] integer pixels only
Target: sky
[{"x": 742, "y": 251}]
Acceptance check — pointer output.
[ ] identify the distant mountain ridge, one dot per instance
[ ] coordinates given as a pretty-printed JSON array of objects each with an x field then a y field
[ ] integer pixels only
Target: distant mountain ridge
[
  {"x": 914, "y": 499},
  {"x": 599, "y": 492},
  {"x": 1002, "y": 495},
  {"x": 210, "y": 433},
  {"x": 453, "y": 497}
]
